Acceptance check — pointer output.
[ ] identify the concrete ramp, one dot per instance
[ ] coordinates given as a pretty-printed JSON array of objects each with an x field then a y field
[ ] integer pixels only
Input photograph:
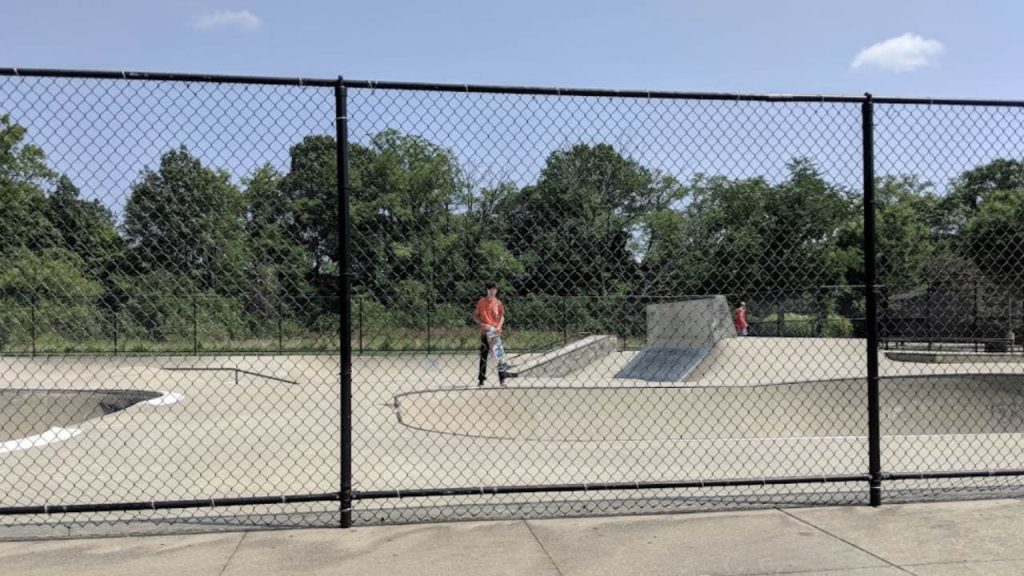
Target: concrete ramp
[
  {"x": 663, "y": 364},
  {"x": 26, "y": 412},
  {"x": 568, "y": 359},
  {"x": 679, "y": 336},
  {"x": 911, "y": 406}
]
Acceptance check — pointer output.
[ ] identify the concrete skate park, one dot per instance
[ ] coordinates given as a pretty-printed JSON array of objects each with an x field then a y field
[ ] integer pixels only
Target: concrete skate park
[{"x": 697, "y": 403}]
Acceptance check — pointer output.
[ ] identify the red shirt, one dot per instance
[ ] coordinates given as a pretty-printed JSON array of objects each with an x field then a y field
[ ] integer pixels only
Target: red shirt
[
  {"x": 490, "y": 311},
  {"x": 739, "y": 318}
]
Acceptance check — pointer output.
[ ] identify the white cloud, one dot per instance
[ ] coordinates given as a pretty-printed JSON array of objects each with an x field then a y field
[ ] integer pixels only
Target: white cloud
[
  {"x": 904, "y": 53},
  {"x": 229, "y": 18}
]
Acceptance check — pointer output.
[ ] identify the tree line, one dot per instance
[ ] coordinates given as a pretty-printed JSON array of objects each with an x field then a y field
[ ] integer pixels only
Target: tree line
[{"x": 195, "y": 251}]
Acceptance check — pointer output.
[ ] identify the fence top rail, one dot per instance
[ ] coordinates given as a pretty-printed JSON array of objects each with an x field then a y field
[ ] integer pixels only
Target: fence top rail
[
  {"x": 171, "y": 77},
  {"x": 595, "y": 92},
  {"x": 948, "y": 102},
  {"x": 496, "y": 89}
]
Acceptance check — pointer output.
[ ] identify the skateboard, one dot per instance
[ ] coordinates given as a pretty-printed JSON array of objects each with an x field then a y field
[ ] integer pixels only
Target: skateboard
[{"x": 497, "y": 349}]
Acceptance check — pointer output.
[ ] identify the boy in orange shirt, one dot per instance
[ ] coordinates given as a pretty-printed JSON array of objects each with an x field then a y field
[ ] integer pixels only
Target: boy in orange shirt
[
  {"x": 490, "y": 315},
  {"x": 739, "y": 319}
]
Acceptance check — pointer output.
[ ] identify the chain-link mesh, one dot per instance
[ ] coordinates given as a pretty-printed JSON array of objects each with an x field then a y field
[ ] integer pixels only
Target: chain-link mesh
[
  {"x": 951, "y": 264},
  {"x": 628, "y": 239},
  {"x": 168, "y": 302},
  {"x": 679, "y": 320}
]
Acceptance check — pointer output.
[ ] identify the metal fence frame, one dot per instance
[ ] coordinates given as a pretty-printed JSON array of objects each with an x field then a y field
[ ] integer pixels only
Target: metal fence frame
[{"x": 874, "y": 477}]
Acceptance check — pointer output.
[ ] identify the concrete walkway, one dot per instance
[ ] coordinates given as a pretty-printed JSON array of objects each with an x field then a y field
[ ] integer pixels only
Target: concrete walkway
[{"x": 963, "y": 538}]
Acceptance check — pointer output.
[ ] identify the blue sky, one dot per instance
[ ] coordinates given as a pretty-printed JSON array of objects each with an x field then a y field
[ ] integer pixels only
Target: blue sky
[
  {"x": 104, "y": 134},
  {"x": 739, "y": 45}
]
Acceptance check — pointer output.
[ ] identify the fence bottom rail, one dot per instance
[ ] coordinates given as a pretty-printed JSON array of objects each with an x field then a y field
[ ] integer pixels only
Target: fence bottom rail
[
  {"x": 604, "y": 486},
  {"x": 48, "y": 509}
]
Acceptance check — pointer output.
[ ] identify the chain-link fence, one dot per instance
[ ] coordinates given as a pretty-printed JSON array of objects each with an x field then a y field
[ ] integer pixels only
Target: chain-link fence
[
  {"x": 500, "y": 302},
  {"x": 950, "y": 205},
  {"x": 168, "y": 302}
]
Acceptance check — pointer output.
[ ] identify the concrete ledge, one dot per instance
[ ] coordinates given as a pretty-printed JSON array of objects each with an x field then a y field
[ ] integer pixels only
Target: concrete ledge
[
  {"x": 568, "y": 359},
  {"x": 954, "y": 358}
]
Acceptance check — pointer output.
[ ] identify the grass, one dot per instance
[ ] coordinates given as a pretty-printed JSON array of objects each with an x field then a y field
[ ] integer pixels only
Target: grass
[
  {"x": 379, "y": 341},
  {"x": 448, "y": 339},
  {"x": 370, "y": 340}
]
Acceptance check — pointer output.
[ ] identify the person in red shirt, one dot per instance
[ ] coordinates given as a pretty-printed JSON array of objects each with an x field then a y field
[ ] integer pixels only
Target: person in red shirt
[
  {"x": 739, "y": 319},
  {"x": 490, "y": 315}
]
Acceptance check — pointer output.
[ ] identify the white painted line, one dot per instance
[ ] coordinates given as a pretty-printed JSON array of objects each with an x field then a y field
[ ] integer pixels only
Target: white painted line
[
  {"x": 55, "y": 434},
  {"x": 167, "y": 399}
]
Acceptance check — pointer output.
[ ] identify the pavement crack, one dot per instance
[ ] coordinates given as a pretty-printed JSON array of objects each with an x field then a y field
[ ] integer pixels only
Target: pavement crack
[
  {"x": 845, "y": 541},
  {"x": 542, "y": 547},
  {"x": 233, "y": 552}
]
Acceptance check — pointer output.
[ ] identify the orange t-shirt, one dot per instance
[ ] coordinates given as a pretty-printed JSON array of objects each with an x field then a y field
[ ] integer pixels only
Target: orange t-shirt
[
  {"x": 739, "y": 318},
  {"x": 490, "y": 311}
]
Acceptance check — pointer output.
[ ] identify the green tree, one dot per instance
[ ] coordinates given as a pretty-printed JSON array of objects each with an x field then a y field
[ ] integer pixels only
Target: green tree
[
  {"x": 188, "y": 220},
  {"x": 405, "y": 235},
  {"x": 42, "y": 287},
  {"x": 45, "y": 292},
  {"x": 479, "y": 252},
  {"x": 804, "y": 217},
  {"x": 749, "y": 235},
  {"x": 655, "y": 238},
  {"x": 24, "y": 176},
  {"x": 973, "y": 187},
  {"x": 994, "y": 238},
  {"x": 908, "y": 223},
  {"x": 980, "y": 221},
  {"x": 572, "y": 231},
  {"x": 279, "y": 267},
  {"x": 774, "y": 244},
  {"x": 311, "y": 192},
  {"x": 85, "y": 228},
  {"x": 722, "y": 247}
]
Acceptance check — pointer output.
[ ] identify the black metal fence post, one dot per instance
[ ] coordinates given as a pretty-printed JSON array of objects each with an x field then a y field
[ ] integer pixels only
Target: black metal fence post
[
  {"x": 780, "y": 316},
  {"x": 871, "y": 303},
  {"x": 565, "y": 323},
  {"x": 1010, "y": 334},
  {"x": 974, "y": 322},
  {"x": 195, "y": 327},
  {"x": 928, "y": 315},
  {"x": 822, "y": 304},
  {"x": 280, "y": 327},
  {"x": 33, "y": 301},
  {"x": 884, "y": 318},
  {"x": 345, "y": 290}
]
